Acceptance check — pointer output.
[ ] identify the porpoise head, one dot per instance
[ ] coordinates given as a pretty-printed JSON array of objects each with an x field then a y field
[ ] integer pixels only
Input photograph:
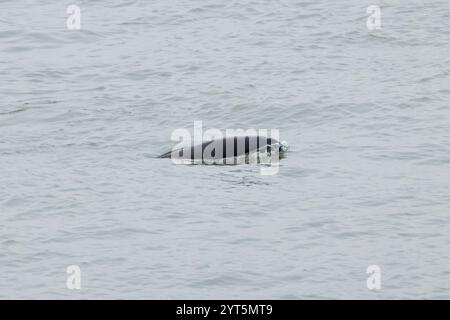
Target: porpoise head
[{"x": 282, "y": 146}]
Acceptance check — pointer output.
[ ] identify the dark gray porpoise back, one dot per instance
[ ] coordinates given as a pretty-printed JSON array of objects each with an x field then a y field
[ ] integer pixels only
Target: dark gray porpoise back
[{"x": 223, "y": 148}]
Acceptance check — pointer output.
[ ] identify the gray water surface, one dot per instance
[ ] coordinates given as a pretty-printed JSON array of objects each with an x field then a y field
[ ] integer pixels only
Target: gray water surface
[{"x": 84, "y": 113}]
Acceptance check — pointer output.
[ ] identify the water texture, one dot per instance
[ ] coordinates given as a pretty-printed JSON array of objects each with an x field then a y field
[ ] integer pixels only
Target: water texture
[{"x": 84, "y": 113}]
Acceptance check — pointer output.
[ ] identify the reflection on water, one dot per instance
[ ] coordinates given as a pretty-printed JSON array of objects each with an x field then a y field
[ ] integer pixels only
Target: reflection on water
[{"x": 85, "y": 113}]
